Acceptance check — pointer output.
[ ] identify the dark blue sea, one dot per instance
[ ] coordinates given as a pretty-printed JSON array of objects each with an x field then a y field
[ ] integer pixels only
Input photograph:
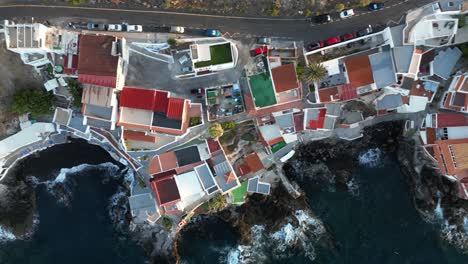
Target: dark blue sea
[{"x": 374, "y": 222}]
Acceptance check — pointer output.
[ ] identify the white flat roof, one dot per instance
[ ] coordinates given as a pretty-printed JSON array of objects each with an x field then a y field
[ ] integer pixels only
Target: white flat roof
[
  {"x": 25, "y": 137},
  {"x": 457, "y": 132},
  {"x": 188, "y": 184}
]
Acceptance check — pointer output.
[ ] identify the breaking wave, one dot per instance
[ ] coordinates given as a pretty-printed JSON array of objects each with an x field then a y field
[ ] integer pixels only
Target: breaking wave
[
  {"x": 299, "y": 233},
  {"x": 6, "y": 234},
  {"x": 371, "y": 158},
  {"x": 353, "y": 187}
]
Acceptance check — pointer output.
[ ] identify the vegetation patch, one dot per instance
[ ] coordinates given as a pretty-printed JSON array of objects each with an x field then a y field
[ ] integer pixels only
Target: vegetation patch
[
  {"x": 36, "y": 102},
  {"x": 220, "y": 54}
]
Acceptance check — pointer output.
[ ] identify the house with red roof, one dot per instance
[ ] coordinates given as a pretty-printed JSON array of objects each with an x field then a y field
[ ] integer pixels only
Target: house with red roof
[
  {"x": 252, "y": 164},
  {"x": 440, "y": 126},
  {"x": 98, "y": 66},
  {"x": 321, "y": 118},
  {"x": 147, "y": 112},
  {"x": 456, "y": 98},
  {"x": 185, "y": 177}
]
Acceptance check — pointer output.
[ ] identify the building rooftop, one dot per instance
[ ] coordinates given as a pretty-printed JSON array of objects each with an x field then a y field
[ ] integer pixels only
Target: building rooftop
[
  {"x": 389, "y": 101},
  {"x": 359, "y": 70},
  {"x": 263, "y": 93},
  {"x": 97, "y": 95},
  {"x": 285, "y": 77},
  {"x": 453, "y": 159},
  {"x": 402, "y": 56},
  {"x": 166, "y": 190},
  {"x": 451, "y": 120},
  {"x": 206, "y": 178},
  {"x": 62, "y": 116},
  {"x": 96, "y": 64},
  {"x": 253, "y": 162},
  {"x": 445, "y": 62},
  {"x": 142, "y": 206},
  {"x": 383, "y": 69},
  {"x": 187, "y": 156}
]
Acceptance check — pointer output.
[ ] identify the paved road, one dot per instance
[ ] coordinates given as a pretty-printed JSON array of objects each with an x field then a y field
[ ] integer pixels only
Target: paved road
[{"x": 298, "y": 29}]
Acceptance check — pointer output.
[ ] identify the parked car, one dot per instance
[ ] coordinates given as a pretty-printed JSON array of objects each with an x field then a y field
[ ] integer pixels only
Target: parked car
[
  {"x": 134, "y": 28},
  {"x": 322, "y": 19},
  {"x": 179, "y": 30},
  {"x": 263, "y": 40},
  {"x": 260, "y": 50},
  {"x": 314, "y": 46},
  {"x": 187, "y": 69},
  {"x": 114, "y": 27},
  {"x": 333, "y": 40},
  {"x": 376, "y": 6},
  {"x": 94, "y": 26},
  {"x": 212, "y": 33},
  {"x": 349, "y": 36},
  {"x": 346, "y": 13},
  {"x": 365, "y": 31}
]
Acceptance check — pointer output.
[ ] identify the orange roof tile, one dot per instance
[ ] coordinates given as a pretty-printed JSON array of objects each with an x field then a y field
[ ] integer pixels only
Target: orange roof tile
[
  {"x": 285, "y": 77},
  {"x": 254, "y": 162},
  {"x": 175, "y": 108},
  {"x": 138, "y": 136},
  {"x": 155, "y": 166},
  {"x": 230, "y": 177},
  {"x": 454, "y": 154},
  {"x": 168, "y": 161},
  {"x": 430, "y": 135},
  {"x": 359, "y": 70}
]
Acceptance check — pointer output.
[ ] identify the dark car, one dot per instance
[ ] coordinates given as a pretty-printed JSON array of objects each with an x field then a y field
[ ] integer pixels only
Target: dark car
[
  {"x": 314, "y": 46},
  {"x": 322, "y": 19},
  {"x": 198, "y": 92},
  {"x": 94, "y": 26},
  {"x": 349, "y": 36},
  {"x": 333, "y": 40},
  {"x": 376, "y": 6},
  {"x": 212, "y": 33},
  {"x": 365, "y": 31}
]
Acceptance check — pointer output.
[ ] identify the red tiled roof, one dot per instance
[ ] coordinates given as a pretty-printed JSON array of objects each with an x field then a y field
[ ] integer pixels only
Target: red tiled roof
[
  {"x": 138, "y": 136},
  {"x": 275, "y": 141},
  {"x": 213, "y": 145},
  {"x": 74, "y": 64},
  {"x": 359, "y": 70},
  {"x": 166, "y": 190},
  {"x": 160, "y": 101},
  {"x": 137, "y": 98},
  {"x": 320, "y": 121},
  {"x": 155, "y": 166},
  {"x": 230, "y": 177},
  {"x": 254, "y": 162},
  {"x": 285, "y": 77},
  {"x": 175, "y": 108},
  {"x": 168, "y": 161},
  {"x": 107, "y": 81},
  {"x": 430, "y": 135},
  {"x": 95, "y": 57},
  {"x": 447, "y": 103},
  {"x": 348, "y": 92},
  {"x": 453, "y": 155},
  {"x": 460, "y": 83},
  {"x": 244, "y": 169},
  {"x": 451, "y": 120}
]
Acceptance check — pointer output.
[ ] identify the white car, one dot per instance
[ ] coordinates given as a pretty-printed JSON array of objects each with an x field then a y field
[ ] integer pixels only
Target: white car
[
  {"x": 134, "y": 28},
  {"x": 347, "y": 13},
  {"x": 114, "y": 27},
  {"x": 179, "y": 30}
]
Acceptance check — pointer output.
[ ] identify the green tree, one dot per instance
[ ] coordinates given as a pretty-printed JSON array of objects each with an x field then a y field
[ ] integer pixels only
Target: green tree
[
  {"x": 461, "y": 21},
  {"x": 339, "y": 7},
  {"x": 216, "y": 130},
  {"x": 37, "y": 102},
  {"x": 172, "y": 42},
  {"x": 229, "y": 125},
  {"x": 299, "y": 69},
  {"x": 275, "y": 11},
  {"x": 76, "y": 90},
  {"x": 217, "y": 203},
  {"x": 308, "y": 13},
  {"x": 314, "y": 72}
]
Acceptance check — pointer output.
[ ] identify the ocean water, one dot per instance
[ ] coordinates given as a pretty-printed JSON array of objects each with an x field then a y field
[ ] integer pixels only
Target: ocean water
[
  {"x": 373, "y": 222},
  {"x": 74, "y": 222}
]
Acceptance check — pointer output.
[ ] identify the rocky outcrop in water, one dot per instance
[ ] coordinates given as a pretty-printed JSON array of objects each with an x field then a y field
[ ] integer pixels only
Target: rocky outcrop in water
[{"x": 435, "y": 196}]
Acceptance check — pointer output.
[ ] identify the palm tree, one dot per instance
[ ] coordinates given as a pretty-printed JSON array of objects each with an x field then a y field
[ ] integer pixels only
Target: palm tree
[{"x": 314, "y": 72}]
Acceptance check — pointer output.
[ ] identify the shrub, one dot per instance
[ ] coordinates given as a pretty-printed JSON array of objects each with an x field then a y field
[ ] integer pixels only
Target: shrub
[
  {"x": 141, "y": 182},
  {"x": 461, "y": 21},
  {"x": 299, "y": 69},
  {"x": 248, "y": 137},
  {"x": 194, "y": 121},
  {"x": 172, "y": 42},
  {"x": 314, "y": 72},
  {"x": 216, "y": 130},
  {"x": 167, "y": 223},
  {"x": 275, "y": 11},
  {"x": 308, "y": 13},
  {"x": 37, "y": 102},
  {"x": 464, "y": 49},
  {"x": 364, "y": 3},
  {"x": 312, "y": 88},
  {"x": 339, "y": 7},
  {"x": 216, "y": 203}
]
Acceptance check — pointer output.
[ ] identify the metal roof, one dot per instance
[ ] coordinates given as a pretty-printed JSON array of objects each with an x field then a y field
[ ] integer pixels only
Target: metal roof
[
  {"x": 187, "y": 156},
  {"x": 389, "y": 101},
  {"x": 382, "y": 68},
  {"x": 445, "y": 61},
  {"x": 402, "y": 56}
]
